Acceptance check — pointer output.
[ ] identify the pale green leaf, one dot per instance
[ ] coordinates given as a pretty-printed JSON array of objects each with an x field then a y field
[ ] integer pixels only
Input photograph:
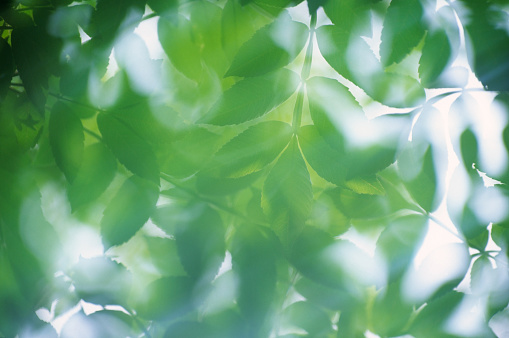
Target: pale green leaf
[
  {"x": 130, "y": 149},
  {"x": 128, "y": 211},
  {"x": 270, "y": 48},
  {"x": 66, "y": 139},
  {"x": 368, "y": 185},
  {"x": 94, "y": 176},
  {"x": 287, "y": 195},
  {"x": 251, "y": 150},
  {"x": 251, "y": 98},
  {"x": 403, "y": 30}
]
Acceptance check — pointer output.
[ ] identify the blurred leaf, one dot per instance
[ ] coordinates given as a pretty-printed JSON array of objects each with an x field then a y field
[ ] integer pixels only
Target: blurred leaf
[
  {"x": 101, "y": 281},
  {"x": 419, "y": 176},
  {"x": 287, "y": 195},
  {"x": 253, "y": 259},
  {"x": 489, "y": 56},
  {"x": 355, "y": 205},
  {"x": 402, "y": 30},
  {"x": 165, "y": 299},
  {"x": 430, "y": 321},
  {"x": 163, "y": 7},
  {"x": 100, "y": 324},
  {"x": 390, "y": 313},
  {"x": 251, "y": 150},
  {"x": 187, "y": 329},
  {"x": 188, "y": 154},
  {"x": 307, "y": 316},
  {"x": 328, "y": 162},
  {"x": 251, "y": 98},
  {"x": 128, "y": 211},
  {"x": 270, "y": 48},
  {"x": 348, "y": 14},
  {"x": 6, "y": 67},
  {"x": 399, "y": 241},
  {"x": 238, "y": 24},
  {"x": 368, "y": 185},
  {"x": 469, "y": 149},
  {"x": 430, "y": 67},
  {"x": 324, "y": 296},
  {"x": 163, "y": 252},
  {"x": 94, "y": 175},
  {"x": 200, "y": 242},
  {"x": 129, "y": 148},
  {"x": 66, "y": 139},
  {"x": 326, "y": 216},
  {"x": 215, "y": 186}
]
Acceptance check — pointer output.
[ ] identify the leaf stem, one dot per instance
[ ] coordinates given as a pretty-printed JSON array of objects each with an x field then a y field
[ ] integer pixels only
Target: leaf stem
[
  {"x": 62, "y": 98},
  {"x": 90, "y": 132},
  {"x": 306, "y": 69}
]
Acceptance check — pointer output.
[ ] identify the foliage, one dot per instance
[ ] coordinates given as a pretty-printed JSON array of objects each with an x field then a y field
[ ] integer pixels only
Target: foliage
[{"x": 217, "y": 189}]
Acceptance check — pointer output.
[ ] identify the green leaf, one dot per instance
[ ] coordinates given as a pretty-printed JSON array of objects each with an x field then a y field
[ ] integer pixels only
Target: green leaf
[
  {"x": 431, "y": 66},
  {"x": 326, "y": 216},
  {"x": 349, "y": 14},
  {"x": 251, "y": 98},
  {"x": 215, "y": 186},
  {"x": 187, "y": 329},
  {"x": 130, "y": 149},
  {"x": 307, "y": 316},
  {"x": 328, "y": 162},
  {"x": 390, "y": 313},
  {"x": 200, "y": 242},
  {"x": 270, "y": 48},
  {"x": 251, "y": 150},
  {"x": 94, "y": 176},
  {"x": 101, "y": 281},
  {"x": 104, "y": 323},
  {"x": 163, "y": 7},
  {"x": 287, "y": 195},
  {"x": 163, "y": 252},
  {"x": 417, "y": 170},
  {"x": 324, "y": 296},
  {"x": 369, "y": 185},
  {"x": 327, "y": 120},
  {"x": 469, "y": 149},
  {"x": 129, "y": 209},
  {"x": 66, "y": 139},
  {"x": 489, "y": 44},
  {"x": 356, "y": 205},
  {"x": 402, "y": 31},
  {"x": 176, "y": 38},
  {"x": 253, "y": 261},
  {"x": 166, "y": 298}
]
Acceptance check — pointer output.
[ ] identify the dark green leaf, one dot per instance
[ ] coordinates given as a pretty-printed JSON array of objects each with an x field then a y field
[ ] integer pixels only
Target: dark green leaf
[
  {"x": 251, "y": 98},
  {"x": 6, "y": 66},
  {"x": 349, "y": 14},
  {"x": 328, "y": 162},
  {"x": 431, "y": 66},
  {"x": 66, "y": 139},
  {"x": 187, "y": 329},
  {"x": 165, "y": 298},
  {"x": 402, "y": 31},
  {"x": 200, "y": 242},
  {"x": 270, "y": 48},
  {"x": 95, "y": 174},
  {"x": 129, "y": 209},
  {"x": 469, "y": 149},
  {"x": 253, "y": 259},
  {"x": 129, "y": 148},
  {"x": 251, "y": 150},
  {"x": 390, "y": 313},
  {"x": 163, "y": 7},
  {"x": 101, "y": 281},
  {"x": 287, "y": 195},
  {"x": 489, "y": 44}
]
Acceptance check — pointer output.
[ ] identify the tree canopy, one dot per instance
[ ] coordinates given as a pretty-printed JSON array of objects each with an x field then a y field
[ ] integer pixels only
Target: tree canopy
[{"x": 218, "y": 176}]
